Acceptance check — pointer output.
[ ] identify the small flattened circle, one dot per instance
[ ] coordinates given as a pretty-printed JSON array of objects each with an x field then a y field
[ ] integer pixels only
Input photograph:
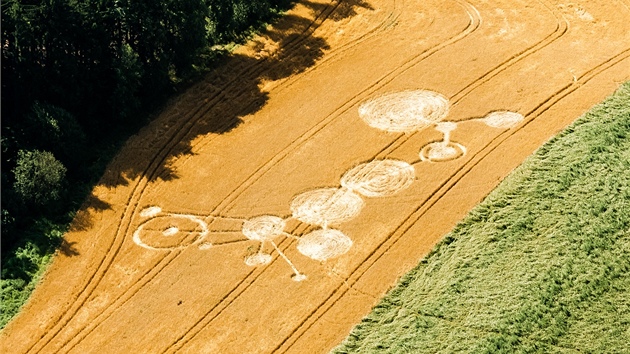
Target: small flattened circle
[
  {"x": 446, "y": 127},
  {"x": 150, "y": 211},
  {"x": 258, "y": 259},
  {"x": 173, "y": 230},
  {"x": 503, "y": 119},
  {"x": 439, "y": 151}
]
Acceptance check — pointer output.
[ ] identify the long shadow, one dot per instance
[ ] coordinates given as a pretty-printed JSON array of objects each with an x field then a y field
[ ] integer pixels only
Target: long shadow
[
  {"x": 84, "y": 218},
  {"x": 231, "y": 91}
]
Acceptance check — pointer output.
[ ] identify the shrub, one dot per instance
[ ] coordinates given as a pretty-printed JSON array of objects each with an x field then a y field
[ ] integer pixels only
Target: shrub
[
  {"x": 39, "y": 177},
  {"x": 54, "y": 129}
]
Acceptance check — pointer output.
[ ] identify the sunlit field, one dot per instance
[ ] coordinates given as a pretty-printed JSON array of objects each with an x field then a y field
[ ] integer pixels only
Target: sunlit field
[{"x": 540, "y": 266}]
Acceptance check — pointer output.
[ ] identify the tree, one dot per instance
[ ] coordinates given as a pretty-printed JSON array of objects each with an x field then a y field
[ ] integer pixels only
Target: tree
[{"x": 39, "y": 177}]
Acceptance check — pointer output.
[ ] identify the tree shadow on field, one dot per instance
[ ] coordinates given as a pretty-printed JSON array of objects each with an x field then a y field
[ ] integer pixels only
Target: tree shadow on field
[
  {"x": 84, "y": 218},
  {"x": 348, "y": 9},
  {"x": 67, "y": 248},
  {"x": 231, "y": 91}
]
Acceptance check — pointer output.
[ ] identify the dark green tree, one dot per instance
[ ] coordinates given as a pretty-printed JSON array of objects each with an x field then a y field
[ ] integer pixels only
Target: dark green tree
[{"x": 39, "y": 177}]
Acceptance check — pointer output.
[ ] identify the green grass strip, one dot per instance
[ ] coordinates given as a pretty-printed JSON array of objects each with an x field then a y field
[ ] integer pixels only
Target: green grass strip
[{"x": 542, "y": 265}]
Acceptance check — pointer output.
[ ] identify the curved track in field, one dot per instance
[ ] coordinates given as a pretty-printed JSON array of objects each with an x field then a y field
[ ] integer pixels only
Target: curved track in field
[{"x": 281, "y": 118}]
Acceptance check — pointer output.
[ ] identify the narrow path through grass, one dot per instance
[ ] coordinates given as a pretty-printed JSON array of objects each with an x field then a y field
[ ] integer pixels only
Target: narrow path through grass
[{"x": 542, "y": 265}]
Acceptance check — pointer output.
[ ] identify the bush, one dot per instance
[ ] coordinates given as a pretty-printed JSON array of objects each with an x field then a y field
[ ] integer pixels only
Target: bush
[
  {"x": 39, "y": 177},
  {"x": 54, "y": 129}
]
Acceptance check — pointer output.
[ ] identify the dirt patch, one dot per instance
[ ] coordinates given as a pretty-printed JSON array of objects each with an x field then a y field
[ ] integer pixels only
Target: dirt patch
[{"x": 270, "y": 206}]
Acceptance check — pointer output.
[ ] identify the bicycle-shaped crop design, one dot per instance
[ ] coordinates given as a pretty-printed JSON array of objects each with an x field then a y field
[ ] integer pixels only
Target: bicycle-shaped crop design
[{"x": 400, "y": 112}]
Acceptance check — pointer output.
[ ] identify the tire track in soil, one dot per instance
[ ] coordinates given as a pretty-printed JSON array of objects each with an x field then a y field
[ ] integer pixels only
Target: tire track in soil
[
  {"x": 479, "y": 83},
  {"x": 474, "y": 24},
  {"x": 169, "y": 259},
  {"x": 221, "y": 95},
  {"x": 389, "y": 21},
  {"x": 560, "y": 30},
  {"x": 283, "y": 84},
  {"x": 469, "y": 29},
  {"x": 444, "y": 188},
  {"x": 154, "y": 165},
  {"x": 465, "y": 93},
  {"x": 232, "y": 295},
  {"x": 164, "y": 265},
  {"x": 471, "y": 89}
]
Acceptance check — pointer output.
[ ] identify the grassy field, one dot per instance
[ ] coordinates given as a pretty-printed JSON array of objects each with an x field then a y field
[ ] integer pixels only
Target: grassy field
[{"x": 542, "y": 265}]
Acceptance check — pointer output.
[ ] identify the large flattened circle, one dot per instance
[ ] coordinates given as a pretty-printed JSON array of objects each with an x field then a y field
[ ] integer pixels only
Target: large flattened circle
[
  {"x": 167, "y": 232},
  {"x": 263, "y": 228},
  {"x": 379, "y": 178},
  {"x": 326, "y": 206},
  {"x": 321, "y": 245},
  {"x": 405, "y": 112}
]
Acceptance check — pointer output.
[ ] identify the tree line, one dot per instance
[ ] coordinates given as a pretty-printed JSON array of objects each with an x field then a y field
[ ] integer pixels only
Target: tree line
[{"x": 78, "y": 75}]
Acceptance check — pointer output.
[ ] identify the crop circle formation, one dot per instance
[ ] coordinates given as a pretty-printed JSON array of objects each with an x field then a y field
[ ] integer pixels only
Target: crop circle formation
[
  {"x": 440, "y": 151},
  {"x": 324, "y": 244},
  {"x": 379, "y": 178},
  {"x": 170, "y": 231},
  {"x": 406, "y": 111},
  {"x": 263, "y": 228},
  {"x": 503, "y": 119},
  {"x": 326, "y": 206}
]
